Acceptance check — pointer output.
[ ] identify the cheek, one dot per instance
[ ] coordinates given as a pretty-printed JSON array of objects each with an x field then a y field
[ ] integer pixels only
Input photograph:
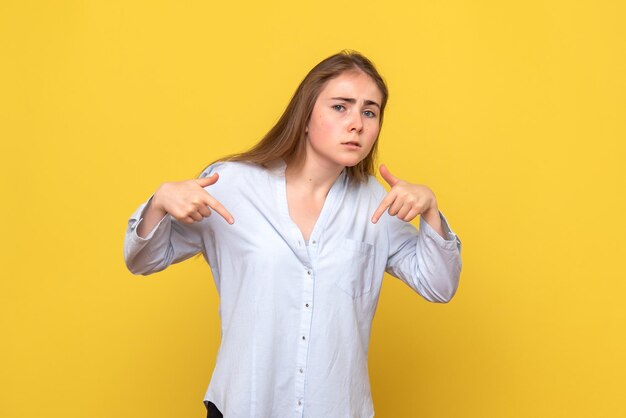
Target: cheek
[
  {"x": 371, "y": 140},
  {"x": 372, "y": 133},
  {"x": 320, "y": 129}
]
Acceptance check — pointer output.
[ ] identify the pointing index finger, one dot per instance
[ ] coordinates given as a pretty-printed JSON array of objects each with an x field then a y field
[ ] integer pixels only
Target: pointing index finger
[
  {"x": 384, "y": 205},
  {"x": 219, "y": 208},
  {"x": 212, "y": 202}
]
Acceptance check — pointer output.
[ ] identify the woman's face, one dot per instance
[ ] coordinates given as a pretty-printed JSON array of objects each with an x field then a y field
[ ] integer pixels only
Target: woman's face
[{"x": 345, "y": 121}]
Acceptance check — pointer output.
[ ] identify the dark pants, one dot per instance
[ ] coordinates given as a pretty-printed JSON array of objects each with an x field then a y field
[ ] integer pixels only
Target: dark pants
[{"x": 212, "y": 411}]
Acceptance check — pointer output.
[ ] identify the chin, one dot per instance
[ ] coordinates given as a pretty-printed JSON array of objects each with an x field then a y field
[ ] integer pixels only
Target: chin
[{"x": 351, "y": 162}]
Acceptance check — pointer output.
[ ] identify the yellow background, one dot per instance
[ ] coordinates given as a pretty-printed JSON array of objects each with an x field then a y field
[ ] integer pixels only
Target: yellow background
[{"x": 512, "y": 112}]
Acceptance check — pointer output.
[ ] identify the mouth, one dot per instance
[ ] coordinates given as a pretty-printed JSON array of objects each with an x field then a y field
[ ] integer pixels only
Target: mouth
[{"x": 354, "y": 144}]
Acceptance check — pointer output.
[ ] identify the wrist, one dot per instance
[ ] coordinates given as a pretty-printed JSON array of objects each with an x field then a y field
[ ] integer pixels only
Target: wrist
[
  {"x": 155, "y": 203},
  {"x": 432, "y": 218},
  {"x": 432, "y": 212}
]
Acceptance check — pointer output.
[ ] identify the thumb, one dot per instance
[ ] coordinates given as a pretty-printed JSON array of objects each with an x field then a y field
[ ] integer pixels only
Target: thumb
[
  {"x": 389, "y": 178},
  {"x": 207, "y": 181}
]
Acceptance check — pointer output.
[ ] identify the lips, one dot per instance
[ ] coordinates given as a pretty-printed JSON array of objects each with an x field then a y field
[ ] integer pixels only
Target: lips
[{"x": 351, "y": 143}]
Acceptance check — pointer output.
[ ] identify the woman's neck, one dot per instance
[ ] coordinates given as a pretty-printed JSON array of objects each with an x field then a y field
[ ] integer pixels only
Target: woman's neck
[{"x": 311, "y": 178}]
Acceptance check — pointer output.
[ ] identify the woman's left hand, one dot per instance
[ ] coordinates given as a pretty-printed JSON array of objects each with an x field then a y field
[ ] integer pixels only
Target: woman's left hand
[{"x": 406, "y": 200}]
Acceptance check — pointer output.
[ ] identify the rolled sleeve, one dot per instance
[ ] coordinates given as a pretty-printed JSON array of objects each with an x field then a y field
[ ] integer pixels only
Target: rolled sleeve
[
  {"x": 168, "y": 242},
  {"x": 424, "y": 260},
  {"x": 447, "y": 242}
]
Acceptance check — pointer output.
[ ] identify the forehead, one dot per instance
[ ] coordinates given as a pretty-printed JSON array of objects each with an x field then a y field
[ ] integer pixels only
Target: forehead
[{"x": 352, "y": 84}]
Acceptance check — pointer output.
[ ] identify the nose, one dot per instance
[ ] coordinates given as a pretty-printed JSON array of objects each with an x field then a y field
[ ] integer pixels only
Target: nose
[{"x": 356, "y": 123}]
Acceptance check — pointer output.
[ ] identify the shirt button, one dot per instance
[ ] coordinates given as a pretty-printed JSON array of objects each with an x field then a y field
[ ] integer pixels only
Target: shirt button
[
  {"x": 301, "y": 371},
  {"x": 306, "y": 304},
  {"x": 308, "y": 272},
  {"x": 299, "y": 403},
  {"x": 303, "y": 337},
  {"x": 313, "y": 242}
]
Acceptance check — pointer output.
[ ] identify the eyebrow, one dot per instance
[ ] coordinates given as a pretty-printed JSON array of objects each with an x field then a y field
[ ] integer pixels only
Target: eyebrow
[{"x": 353, "y": 101}]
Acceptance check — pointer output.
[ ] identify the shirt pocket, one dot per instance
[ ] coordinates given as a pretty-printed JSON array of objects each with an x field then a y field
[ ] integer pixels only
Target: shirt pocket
[{"x": 356, "y": 259}]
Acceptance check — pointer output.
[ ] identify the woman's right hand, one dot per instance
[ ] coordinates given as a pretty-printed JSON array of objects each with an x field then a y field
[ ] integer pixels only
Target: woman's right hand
[{"x": 188, "y": 202}]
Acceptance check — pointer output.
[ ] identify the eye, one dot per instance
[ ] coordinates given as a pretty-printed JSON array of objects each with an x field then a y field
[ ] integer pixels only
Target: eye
[
  {"x": 339, "y": 108},
  {"x": 369, "y": 114}
]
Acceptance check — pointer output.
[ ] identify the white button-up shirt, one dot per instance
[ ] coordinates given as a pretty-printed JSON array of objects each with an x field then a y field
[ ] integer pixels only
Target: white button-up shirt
[{"x": 296, "y": 317}]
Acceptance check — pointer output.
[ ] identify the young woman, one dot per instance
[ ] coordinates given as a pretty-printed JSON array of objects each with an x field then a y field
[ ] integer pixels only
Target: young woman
[{"x": 303, "y": 235}]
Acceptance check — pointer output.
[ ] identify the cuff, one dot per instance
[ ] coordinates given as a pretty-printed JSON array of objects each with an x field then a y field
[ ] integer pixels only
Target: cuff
[
  {"x": 450, "y": 237},
  {"x": 136, "y": 219}
]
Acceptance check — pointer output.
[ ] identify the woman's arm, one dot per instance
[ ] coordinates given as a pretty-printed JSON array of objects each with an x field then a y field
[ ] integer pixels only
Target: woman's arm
[
  {"x": 167, "y": 229},
  {"x": 429, "y": 261}
]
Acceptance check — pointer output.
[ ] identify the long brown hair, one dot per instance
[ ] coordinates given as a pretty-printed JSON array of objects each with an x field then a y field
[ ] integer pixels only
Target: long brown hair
[{"x": 287, "y": 139}]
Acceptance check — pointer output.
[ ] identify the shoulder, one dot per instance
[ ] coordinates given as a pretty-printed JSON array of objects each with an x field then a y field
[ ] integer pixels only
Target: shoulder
[
  {"x": 369, "y": 190},
  {"x": 235, "y": 170},
  {"x": 372, "y": 186},
  {"x": 236, "y": 179}
]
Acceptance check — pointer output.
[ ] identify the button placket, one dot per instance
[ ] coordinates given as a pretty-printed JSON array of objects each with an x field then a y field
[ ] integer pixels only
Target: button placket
[{"x": 305, "y": 330}]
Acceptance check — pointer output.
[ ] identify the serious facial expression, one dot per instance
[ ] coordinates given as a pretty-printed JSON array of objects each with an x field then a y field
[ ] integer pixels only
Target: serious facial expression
[{"x": 345, "y": 121}]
